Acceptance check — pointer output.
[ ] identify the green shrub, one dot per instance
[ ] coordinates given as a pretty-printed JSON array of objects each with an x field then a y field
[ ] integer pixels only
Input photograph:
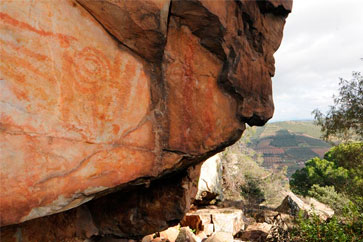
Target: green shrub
[
  {"x": 347, "y": 155},
  {"x": 239, "y": 164},
  {"x": 318, "y": 171},
  {"x": 350, "y": 156},
  {"x": 342, "y": 167},
  {"x": 329, "y": 196},
  {"x": 251, "y": 190},
  {"x": 348, "y": 228}
]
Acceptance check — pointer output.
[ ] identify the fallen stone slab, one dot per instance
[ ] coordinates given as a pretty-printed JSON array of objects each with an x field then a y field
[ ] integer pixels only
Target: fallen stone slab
[
  {"x": 293, "y": 205},
  {"x": 229, "y": 220}
]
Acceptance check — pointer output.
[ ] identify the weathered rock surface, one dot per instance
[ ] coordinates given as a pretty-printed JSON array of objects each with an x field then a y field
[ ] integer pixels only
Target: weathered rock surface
[
  {"x": 228, "y": 220},
  {"x": 186, "y": 235},
  {"x": 97, "y": 96},
  {"x": 131, "y": 214},
  {"x": 170, "y": 234},
  {"x": 210, "y": 181},
  {"x": 139, "y": 25},
  {"x": 256, "y": 232},
  {"x": 292, "y": 205}
]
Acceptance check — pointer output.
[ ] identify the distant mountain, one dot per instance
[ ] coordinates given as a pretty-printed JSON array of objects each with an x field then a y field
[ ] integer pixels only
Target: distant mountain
[{"x": 288, "y": 143}]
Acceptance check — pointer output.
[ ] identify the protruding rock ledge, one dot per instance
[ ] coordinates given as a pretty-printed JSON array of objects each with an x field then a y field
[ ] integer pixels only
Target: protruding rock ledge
[{"x": 97, "y": 95}]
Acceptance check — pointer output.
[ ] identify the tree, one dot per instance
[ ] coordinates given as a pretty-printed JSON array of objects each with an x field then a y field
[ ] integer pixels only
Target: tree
[
  {"x": 344, "y": 119},
  {"x": 321, "y": 172},
  {"x": 342, "y": 167},
  {"x": 348, "y": 155}
]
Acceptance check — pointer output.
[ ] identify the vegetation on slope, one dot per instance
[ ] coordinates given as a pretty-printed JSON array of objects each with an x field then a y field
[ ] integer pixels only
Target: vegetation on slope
[
  {"x": 341, "y": 168},
  {"x": 246, "y": 179},
  {"x": 334, "y": 177},
  {"x": 336, "y": 180}
]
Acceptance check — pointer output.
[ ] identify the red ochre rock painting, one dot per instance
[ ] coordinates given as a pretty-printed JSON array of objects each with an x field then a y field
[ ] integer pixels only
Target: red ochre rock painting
[{"x": 68, "y": 111}]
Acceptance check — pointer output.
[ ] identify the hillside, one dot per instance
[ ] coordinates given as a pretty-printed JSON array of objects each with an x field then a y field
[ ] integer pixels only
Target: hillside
[{"x": 288, "y": 143}]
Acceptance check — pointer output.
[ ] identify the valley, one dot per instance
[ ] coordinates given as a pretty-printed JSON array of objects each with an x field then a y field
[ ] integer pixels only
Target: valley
[{"x": 288, "y": 144}]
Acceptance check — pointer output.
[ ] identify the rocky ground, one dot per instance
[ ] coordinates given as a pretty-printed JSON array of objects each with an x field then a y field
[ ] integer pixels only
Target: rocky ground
[
  {"x": 212, "y": 218},
  {"x": 235, "y": 223}
]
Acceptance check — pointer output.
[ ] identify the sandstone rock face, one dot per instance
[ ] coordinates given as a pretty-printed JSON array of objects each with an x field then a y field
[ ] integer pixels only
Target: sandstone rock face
[
  {"x": 139, "y": 25},
  {"x": 133, "y": 213},
  {"x": 73, "y": 108},
  {"x": 99, "y": 95}
]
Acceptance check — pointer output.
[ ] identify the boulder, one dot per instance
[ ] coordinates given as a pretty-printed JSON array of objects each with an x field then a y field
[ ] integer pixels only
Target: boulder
[
  {"x": 210, "y": 181},
  {"x": 193, "y": 221},
  {"x": 256, "y": 232},
  {"x": 105, "y": 104},
  {"x": 292, "y": 205},
  {"x": 229, "y": 220},
  {"x": 148, "y": 238},
  {"x": 321, "y": 209},
  {"x": 202, "y": 235},
  {"x": 170, "y": 234},
  {"x": 186, "y": 235}
]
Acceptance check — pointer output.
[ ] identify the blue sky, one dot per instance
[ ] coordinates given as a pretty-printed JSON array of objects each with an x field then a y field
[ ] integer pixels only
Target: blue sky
[{"x": 323, "y": 40}]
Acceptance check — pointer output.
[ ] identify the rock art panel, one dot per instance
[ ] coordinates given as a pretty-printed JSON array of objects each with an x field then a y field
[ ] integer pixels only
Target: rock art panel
[
  {"x": 200, "y": 114},
  {"x": 72, "y": 103}
]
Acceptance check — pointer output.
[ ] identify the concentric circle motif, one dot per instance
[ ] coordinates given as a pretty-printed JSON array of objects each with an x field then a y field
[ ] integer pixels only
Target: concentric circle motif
[{"x": 91, "y": 68}]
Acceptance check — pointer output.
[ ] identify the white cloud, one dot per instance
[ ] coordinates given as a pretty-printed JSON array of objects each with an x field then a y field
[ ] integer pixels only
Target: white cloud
[{"x": 322, "y": 42}]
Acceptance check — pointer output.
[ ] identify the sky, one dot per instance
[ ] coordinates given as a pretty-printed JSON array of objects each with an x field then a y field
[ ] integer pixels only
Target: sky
[{"x": 323, "y": 40}]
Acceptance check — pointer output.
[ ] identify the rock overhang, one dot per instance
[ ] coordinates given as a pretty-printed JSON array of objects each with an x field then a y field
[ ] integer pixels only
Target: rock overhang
[{"x": 84, "y": 111}]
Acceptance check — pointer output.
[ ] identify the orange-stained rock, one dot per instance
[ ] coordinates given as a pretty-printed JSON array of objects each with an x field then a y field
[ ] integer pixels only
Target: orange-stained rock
[
  {"x": 97, "y": 96},
  {"x": 139, "y": 24},
  {"x": 72, "y": 101},
  {"x": 244, "y": 35},
  {"x": 133, "y": 213},
  {"x": 201, "y": 115}
]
